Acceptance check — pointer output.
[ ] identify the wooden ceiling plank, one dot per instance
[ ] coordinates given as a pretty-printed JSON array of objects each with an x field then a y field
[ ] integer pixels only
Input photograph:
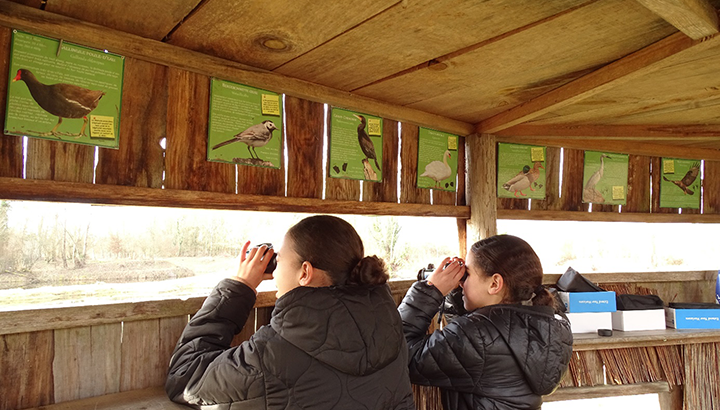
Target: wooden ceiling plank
[
  {"x": 638, "y": 132},
  {"x": 643, "y": 62},
  {"x": 150, "y": 19},
  {"x": 270, "y": 33},
  {"x": 622, "y": 146},
  {"x": 696, "y": 18},
  {"x": 36, "y": 21}
]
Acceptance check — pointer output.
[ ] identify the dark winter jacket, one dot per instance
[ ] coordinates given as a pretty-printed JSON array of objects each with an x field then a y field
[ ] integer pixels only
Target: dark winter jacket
[
  {"x": 495, "y": 357},
  {"x": 325, "y": 348}
]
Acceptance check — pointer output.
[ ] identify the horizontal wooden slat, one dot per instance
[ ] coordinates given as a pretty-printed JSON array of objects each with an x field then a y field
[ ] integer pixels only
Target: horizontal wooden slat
[
  {"x": 151, "y": 398},
  {"x": 538, "y": 215},
  {"x": 40, "y": 22},
  {"x": 637, "y": 277},
  {"x": 68, "y": 317},
  {"x": 644, "y": 338},
  {"x": 38, "y": 190},
  {"x": 575, "y": 393}
]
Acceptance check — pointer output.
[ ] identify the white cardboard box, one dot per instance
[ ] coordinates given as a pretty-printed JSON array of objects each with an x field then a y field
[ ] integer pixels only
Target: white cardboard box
[
  {"x": 628, "y": 320},
  {"x": 589, "y": 322}
]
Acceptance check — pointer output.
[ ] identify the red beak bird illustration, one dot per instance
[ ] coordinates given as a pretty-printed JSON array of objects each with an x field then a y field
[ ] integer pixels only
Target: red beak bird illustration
[{"x": 62, "y": 100}]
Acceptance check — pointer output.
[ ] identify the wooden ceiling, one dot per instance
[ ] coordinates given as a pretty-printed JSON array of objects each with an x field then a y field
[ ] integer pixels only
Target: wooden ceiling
[{"x": 642, "y": 71}]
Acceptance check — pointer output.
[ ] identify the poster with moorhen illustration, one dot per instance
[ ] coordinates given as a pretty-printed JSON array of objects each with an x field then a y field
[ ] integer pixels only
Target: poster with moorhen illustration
[
  {"x": 521, "y": 171},
  {"x": 355, "y": 146},
  {"x": 437, "y": 160},
  {"x": 245, "y": 125},
  {"x": 63, "y": 92}
]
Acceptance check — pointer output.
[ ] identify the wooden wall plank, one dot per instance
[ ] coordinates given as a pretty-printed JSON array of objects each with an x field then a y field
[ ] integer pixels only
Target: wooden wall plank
[
  {"x": 187, "y": 119},
  {"x": 711, "y": 188},
  {"x": 552, "y": 182},
  {"x": 140, "y": 365},
  {"x": 409, "y": 192},
  {"x": 139, "y": 160},
  {"x": 170, "y": 330},
  {"x": 638, "y": 199},
  {"x": 572, "y": 181},
  {"x": 386, "y": 190},
  {"x": 59, "y": 161},
  {"x": 341, "y": 189},
  {"x": 26, "y": 365},
  {"x": 304, "y": 123},
  {"x": 656, "y": 166},
  {"x": 87, "y": 361},
  {"x": 11, "y": 155},
  {"x": 263, "y": 316}
]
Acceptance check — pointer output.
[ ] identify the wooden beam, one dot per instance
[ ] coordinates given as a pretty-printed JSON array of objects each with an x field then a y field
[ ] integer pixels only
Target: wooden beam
[
  {"x": 651, "y": 58},
  {"x": 695, "y": 18},
  {"x": 644, "y": 338},
  {"x": 42, "y": 190},
  {"x": 640, "y": 277},
  {"x": 521, "y": 214},
  {"x": 593, "y": 392},
  {"x": 36, "y": 21},
  {"x": 480, "y": 187},
  {"x": 621, "y": 146},
  {"x": 679, "y": 132}
]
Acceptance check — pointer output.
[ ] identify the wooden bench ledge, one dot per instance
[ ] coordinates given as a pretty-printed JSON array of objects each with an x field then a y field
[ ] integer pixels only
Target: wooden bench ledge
[
  {"x": 153, "y": 398},
  {"x": 593, "y": 392}
]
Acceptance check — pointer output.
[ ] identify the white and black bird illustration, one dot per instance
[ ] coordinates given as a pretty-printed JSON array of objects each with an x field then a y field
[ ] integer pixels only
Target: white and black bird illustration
[
  {"x": 366, "y": 144},
  {"x": 255, "y": 136},
  {"x": 438, "y": 170}
]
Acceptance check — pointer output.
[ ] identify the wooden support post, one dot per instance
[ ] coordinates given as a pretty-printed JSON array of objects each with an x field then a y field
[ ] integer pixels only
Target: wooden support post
[
  {"x": 672, "y": 400},
  {"x": 480, "y": 187}
]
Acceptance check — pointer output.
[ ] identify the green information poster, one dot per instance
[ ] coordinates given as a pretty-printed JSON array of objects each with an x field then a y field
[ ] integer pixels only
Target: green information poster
[
  {"x": 245, "y": 125},
  {"x": 605, "y": 178},
  {"x": 680, "y": 184},
  {"x": 437, "y": 160},
  {"x": 521, "y": 171},
  {"x": 355, "y": 145},
  {"x": 63, "y": 91}
]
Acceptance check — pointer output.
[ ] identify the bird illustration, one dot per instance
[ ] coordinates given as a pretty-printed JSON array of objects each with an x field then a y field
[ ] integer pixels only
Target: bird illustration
[
  {"x": 519, "y": 182},
  {"x": 366, "y": 144},
  {"x": 437, "y": 171},
  {"x": 62, "y": 100},
  {"x": 254, "y": 136},
  {"x": 534, "y": 173},
  {"x": 590, "y": 194},
  {"x": 688, "y": 179}
]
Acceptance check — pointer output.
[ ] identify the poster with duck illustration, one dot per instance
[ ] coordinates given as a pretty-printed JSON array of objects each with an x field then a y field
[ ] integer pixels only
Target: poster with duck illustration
[
  {"x": 63, "y": 92},
  {"x": 680, "y": 183},
  {"x": 356, "y": 145},
  {"x": 245, "y": 125},
  {"x": 521, "y": 171},
  {"x": 437, "y": 160},
  {"x": 605, "y": 177}
]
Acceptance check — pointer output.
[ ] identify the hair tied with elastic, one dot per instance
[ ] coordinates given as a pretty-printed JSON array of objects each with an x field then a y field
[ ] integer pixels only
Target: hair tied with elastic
[{"x": 369, "y": 270}]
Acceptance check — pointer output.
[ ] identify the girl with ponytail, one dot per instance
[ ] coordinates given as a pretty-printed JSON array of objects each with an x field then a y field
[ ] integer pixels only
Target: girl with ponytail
[
  {"x": 509, "y": 350},
  {"x": 334, "y": 341}
]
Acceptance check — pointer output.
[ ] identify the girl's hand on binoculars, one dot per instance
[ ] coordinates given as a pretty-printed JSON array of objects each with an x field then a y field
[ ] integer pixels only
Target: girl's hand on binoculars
[
  {"x": 448, "y": 274},
  {"x": 252, "y": 266}
]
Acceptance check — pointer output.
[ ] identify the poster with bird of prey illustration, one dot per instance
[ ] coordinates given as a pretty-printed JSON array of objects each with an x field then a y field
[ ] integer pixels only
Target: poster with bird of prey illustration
[
  {"x": 437, "y": 160},
  {"x": 63, "y": 92},
  {"x": 605, "y": 177},
  {"x": 245, "y": 125},
  {"x": 680, "y": 183},
  {"x": 355, "y": 146},
  {"x": 521, "y": 171}
]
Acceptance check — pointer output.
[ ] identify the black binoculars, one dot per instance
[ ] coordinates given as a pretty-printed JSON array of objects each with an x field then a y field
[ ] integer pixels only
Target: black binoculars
[{"x": 273, "y": 260}]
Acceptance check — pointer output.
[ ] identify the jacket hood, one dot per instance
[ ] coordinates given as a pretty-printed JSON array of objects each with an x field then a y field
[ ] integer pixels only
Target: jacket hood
[
  {"x": 539, "y": 339},
  {"x": 356, "y": 330}
]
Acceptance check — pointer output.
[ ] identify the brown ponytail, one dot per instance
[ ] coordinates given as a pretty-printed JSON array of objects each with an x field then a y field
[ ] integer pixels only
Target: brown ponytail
[{"x": 332, "y": 244}]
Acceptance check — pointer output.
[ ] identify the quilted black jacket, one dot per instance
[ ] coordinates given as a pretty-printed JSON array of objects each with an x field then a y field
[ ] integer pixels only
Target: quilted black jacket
[
  {"x": 325, "y": 348},
  {"x": 496, "y": 357}
]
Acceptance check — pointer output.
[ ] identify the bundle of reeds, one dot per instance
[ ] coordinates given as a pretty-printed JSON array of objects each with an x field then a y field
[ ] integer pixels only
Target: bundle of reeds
[
  {"x": 632, "y": 365},
  {"x": 585, "y": 369},
  {"x": 671, "y": 363},
  {"x": 702, "y": 384},
  {"x": 427, "y": 398}
]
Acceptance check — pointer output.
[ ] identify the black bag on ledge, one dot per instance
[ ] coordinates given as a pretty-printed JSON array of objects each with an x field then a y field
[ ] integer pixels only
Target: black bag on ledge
[
  {"x": 682, "y": 305},
  {"x": 638, "y": 302},
  {"x": 572, "y": 281}
]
